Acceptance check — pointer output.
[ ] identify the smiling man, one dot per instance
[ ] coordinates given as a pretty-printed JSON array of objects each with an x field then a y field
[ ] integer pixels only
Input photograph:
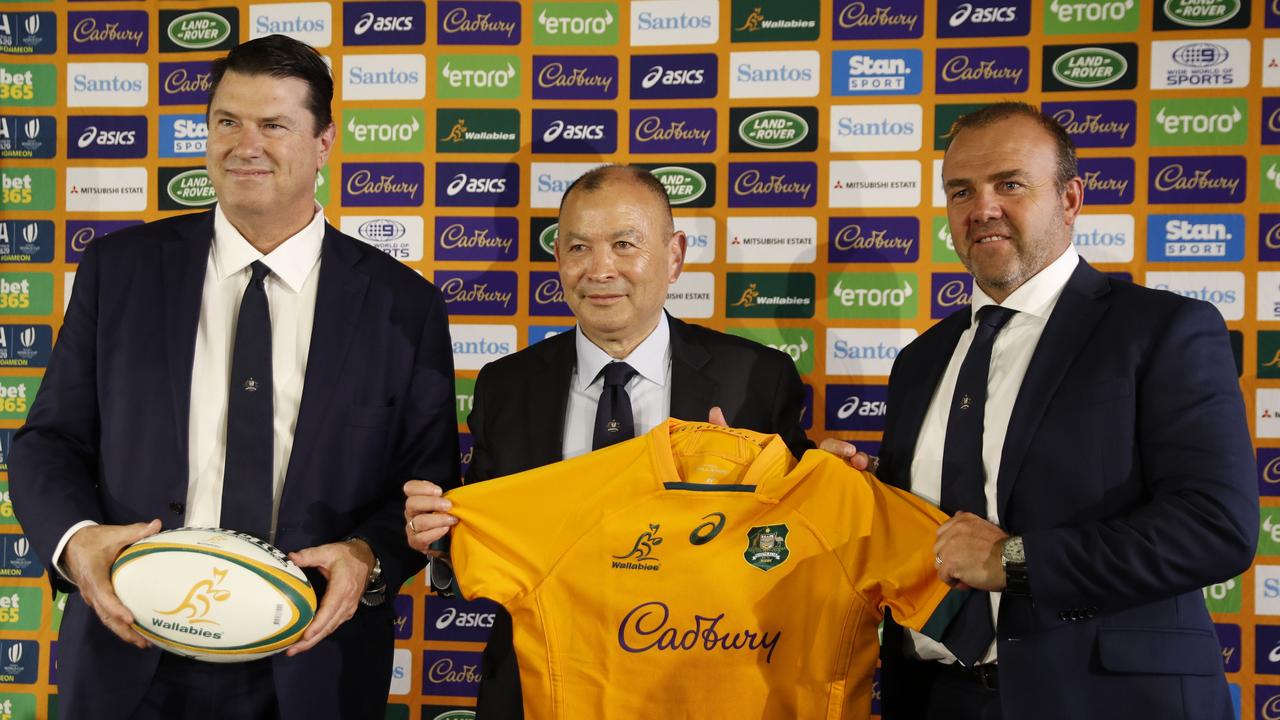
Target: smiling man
[
  {"x": 1089, "y": 437},
  {"x": 249, "y": 368},
  {"x": 626, "y": 367}
]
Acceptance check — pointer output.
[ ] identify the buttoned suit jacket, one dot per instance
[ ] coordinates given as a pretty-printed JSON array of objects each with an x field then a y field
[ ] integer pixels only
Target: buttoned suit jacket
[
  {"x": 1128, "y": 471},
  {"x": 518, "y": 416},
  {"x": 107, "y": 436}
]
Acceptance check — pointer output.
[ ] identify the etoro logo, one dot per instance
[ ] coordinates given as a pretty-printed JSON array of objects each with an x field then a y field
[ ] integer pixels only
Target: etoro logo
[
  {"x": 1199, "y": 121},
  {"x": 384, "y": 130},
  {"x": 576, "y": 23},
  {"x": 479, "y": 76},
  {"x": 1069, "y": 17},
  {"x": 1089, "y": 68}
]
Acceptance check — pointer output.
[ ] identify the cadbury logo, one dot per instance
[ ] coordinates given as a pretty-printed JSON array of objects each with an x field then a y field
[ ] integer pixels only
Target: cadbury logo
[
  {"x": 855, "y": 15},
  {"x": 444, "y": 671},
  {"x": 1271, "y": 471},
  {"x": 751, "y": 183},
  {"x": 960, "y": 69},
  {"x": 1089, "y": 124},
  {"x": 1175, "y": 177},
  {"x": 455, "y": 289},
  {"x": 88, "y": 30},
  {"x": 553, "y": 75},
  {"x": 362, "y": 182},
  {"x": 646, "y": 628},
  {"x": 851, "y": 237},
  {"x": 180, "y": 81},
  {"x": 549, "y": 292},
  {"x": 459, "y": 20},
  {"x": 952, "y": 293},
  {"x": 456, "y": 237},
  {"x": 651, "y": 129},
  {"x": 1094, "y": 181}
]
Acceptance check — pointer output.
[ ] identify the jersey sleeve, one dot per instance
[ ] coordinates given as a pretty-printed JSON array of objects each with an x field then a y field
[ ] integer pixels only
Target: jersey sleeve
[
  {"x": 511, "y": 530},
  {"x": 898, "y": 570}
]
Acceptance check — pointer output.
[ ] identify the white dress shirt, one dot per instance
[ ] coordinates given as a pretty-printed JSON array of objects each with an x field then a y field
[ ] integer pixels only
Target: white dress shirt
[
  {"x": 649, "y": 389},
  {"x": 1010, "y": 356},
  {"x": 291, "y": 299}
]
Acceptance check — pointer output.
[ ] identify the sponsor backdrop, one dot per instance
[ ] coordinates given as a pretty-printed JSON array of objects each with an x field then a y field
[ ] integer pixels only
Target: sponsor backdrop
[{"x": 799, "y": 140}]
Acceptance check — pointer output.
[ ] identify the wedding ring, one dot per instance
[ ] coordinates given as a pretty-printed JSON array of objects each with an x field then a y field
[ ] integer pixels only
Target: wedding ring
[
  {"x": 937, "y": 559},
  {"x": 414, "y": 530}
]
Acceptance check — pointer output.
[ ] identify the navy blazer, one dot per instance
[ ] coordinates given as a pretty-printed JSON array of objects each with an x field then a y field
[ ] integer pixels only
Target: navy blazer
[
  {"x": 106, "y": 440},
  {"x": 1128, "y": 471}
]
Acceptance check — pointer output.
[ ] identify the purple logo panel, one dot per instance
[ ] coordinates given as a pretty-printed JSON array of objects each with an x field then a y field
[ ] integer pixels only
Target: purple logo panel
[
  {"x": 873, "y": 239},
  {"x": 185, "y": 83},
  {"x": 1197, "y": 179},
  {"x": 469, "y": 292},
  {"x": 1107, "y": 181},
  {"x": 575, "y": 131},
  {"x": 671, "y": 77},
  {"x": 877, "y": 19},
  {"x": 951, "y": 291},
  {"x": 1097, "y": 123},
  {"x": 983, "y": 70},
  {"x": 575, "y": 77},
  {"x": 107, "y": 31},
  {"x": 780, "y": 184},
  {"x": 382, "y": 184},
  {"x": 106, "y": 136},
  {"x": 673, "y": 131},
  {"x": 478, "y": 23},
  {"x": 477, "y": 238},
  {"x": 477, "y": 184},
  {"x": 546, "y": 294}
]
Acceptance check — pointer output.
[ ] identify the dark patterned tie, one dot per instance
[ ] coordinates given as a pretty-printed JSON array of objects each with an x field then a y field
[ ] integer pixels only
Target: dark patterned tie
[
  {"x": 963, "y": 480},
  {"x": 247, "y": 484},
  {"x": 613, "y": 415}
]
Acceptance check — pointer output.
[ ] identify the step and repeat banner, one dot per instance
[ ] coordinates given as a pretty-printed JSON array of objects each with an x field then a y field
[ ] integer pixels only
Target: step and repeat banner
[{"x": 800, "y": 142}]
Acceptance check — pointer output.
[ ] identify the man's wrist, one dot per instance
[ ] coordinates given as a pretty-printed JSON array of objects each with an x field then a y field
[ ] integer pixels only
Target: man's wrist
[
  {"x": 1013, "y": 560},
  {"x": 375, "y": 585}
]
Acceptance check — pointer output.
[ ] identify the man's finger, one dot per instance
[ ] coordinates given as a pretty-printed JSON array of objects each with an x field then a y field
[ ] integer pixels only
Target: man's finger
[
  {"x": 716, "y": 417},
  {"x": 421, "y": 487},
  {"x": 426, "y": 504},
  {"x": 422, "y": 541}
]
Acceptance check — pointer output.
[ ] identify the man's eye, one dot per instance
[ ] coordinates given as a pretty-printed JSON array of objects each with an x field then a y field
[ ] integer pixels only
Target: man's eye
[{"x": 624, "y": 244}]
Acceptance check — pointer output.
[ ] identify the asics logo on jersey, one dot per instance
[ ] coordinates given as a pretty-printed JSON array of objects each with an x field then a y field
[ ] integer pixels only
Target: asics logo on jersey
[{"x": 707, "y": 531}]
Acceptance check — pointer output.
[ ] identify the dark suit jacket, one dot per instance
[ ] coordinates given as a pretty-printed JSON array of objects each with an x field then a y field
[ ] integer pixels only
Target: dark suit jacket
[
  {"x": 106, "y": 440},
  {"x": 517, "y": 422},
  {"x": 1128, "y": 471}
]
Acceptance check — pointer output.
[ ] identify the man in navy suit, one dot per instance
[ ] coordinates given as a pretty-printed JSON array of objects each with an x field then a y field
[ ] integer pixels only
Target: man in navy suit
[
  {"x": 252, "y": 368},
  {"x": 1112, "y": 463}
]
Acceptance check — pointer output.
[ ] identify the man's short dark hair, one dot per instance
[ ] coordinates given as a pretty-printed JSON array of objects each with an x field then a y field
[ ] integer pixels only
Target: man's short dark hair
[
  {"x": 281, "y": 56},
  {"x": 990, "y": 114},
  {"x": 594, "y": 179}
]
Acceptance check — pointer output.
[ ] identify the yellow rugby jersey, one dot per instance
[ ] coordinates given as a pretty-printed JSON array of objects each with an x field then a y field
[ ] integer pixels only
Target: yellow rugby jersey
[{"x": 697, "y": 571}]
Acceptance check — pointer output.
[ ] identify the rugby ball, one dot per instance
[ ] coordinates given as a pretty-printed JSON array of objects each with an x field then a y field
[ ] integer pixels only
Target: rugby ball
[{"x": 214, "y": 595}]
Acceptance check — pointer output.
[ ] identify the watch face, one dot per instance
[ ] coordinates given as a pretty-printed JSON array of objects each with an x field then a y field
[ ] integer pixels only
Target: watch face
[{"x": 1013, "y": 551}]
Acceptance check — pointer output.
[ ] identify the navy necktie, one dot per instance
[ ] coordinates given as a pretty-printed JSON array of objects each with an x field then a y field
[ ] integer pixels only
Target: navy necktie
[
  {"x": 247, "y": 484},
  {"x": 963, "y": 479},
  {"x": 613, "y": 415}
]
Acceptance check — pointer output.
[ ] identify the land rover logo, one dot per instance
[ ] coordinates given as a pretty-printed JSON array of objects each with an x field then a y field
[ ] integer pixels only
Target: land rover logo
[
  {"x": 191, "y": 188},
  {"x": 1090, "y": 67},
  {"x": 199, "y": 30},
  {"x": 1201, "y": 13},
  {"x": 683, "y": 185},
  {"x": 547, "y": 238},
  {"x": 773, "y": 129}
]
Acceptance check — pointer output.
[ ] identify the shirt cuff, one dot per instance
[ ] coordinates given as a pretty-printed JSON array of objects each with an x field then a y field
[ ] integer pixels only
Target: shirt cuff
[{"x": 62, "y": 544}]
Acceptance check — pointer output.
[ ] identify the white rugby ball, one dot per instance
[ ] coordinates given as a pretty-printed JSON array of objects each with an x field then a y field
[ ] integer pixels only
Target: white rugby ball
[{"x": 214, "y": 595}]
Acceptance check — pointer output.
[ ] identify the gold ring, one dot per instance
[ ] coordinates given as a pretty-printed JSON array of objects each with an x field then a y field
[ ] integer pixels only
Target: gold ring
[
  {"x": 414, "y": 530},
  {"x": 937, "y": 559}
]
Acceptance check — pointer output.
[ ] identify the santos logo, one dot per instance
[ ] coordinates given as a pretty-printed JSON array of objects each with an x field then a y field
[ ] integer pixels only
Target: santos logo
[
  {"x": 107, "y": 84},
  {"x": 876, "y": 128},
  {"x": 476, "y": 345},
  {"x": 852, "y": 351},
  {"x": 675, "y": 22},
  {"x": 774, "y": 74},
  {"x": 312, "y": 23},
  {"x": 1267, "y": 586},
  {"x": 401, "y": 672},
  {"x": 1224, "y": 289},
  {"x": 384, "y": 77},
  {"x": 548, "y": 181},
  {"x": 700, "y": 237},
  {"x": 1104, "y": 238}
]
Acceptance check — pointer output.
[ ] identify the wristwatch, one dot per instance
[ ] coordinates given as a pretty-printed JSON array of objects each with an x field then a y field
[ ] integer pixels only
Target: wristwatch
[
  {"x": 375, "y": 589},
  {"x": 1013, "y": 558}
]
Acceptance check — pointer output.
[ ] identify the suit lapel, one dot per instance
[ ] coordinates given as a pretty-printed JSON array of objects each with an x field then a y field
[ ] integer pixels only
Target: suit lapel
[
  {"x": 184, "y": 257},
  {"x": 1072, "y": 321},
  {"x": 914, "y": 402},
  {"x": 692, "y": 391},
  {"x": 549, "y": 391},
  {"x": 339, "y": 299}
]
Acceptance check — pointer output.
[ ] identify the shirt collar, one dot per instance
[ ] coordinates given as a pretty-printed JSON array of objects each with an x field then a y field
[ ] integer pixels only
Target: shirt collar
[
  {"x": 291, "y": 261},
  {"x": 649, "y": 358},
  {"x": 1039, "y": 294}
]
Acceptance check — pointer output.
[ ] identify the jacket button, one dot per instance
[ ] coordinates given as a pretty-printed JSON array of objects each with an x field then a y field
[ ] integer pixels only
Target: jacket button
[{"x": 177, "y": 508}]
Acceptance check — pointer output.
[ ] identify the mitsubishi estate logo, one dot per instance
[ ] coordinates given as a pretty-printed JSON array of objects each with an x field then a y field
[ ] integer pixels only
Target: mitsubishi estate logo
[{"x": 640, "y": 556}]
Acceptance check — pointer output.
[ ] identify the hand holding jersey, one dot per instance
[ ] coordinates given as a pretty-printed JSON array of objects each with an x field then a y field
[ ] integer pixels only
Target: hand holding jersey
[{"x": 698, "y": 551}]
